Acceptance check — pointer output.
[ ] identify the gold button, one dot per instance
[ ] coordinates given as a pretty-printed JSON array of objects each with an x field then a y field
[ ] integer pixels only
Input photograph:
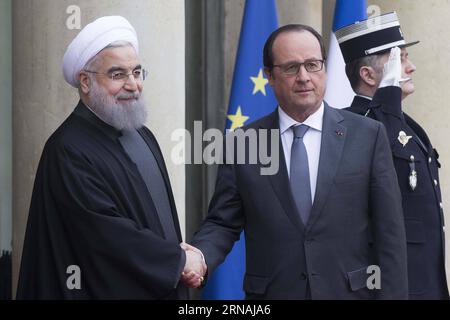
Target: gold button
[
  {"x": 440, "y": 204},
  {"x": 435, "y": 182},
  {"x": 429, "y": 160}
]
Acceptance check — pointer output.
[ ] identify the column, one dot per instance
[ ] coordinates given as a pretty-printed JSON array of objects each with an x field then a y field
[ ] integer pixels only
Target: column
[{"x": 5, "y": 136}]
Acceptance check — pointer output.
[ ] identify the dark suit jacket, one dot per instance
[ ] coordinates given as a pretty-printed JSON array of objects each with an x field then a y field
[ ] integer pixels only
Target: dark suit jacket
[
  {"x": 422, "y": 209},
  {"x": 357, "y": 193}
]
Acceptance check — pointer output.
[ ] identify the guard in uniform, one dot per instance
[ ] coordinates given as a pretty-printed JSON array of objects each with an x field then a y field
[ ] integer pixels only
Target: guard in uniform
[{"x": 379, "y": 71}]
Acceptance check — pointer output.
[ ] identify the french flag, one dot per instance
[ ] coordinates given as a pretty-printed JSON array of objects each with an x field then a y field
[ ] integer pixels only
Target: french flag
[{"x": 339, "y": 93}]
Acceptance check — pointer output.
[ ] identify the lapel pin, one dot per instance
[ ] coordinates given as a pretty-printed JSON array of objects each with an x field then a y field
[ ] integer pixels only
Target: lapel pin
[
  {"x": 403, "y": 138},
  {"x": 339, "y": 133}
]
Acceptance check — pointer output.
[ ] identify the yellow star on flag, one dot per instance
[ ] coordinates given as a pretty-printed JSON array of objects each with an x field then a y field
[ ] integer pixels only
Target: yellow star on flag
[
  {"x": 260, "y": 83},
  {"x": 237, "y": 120}
]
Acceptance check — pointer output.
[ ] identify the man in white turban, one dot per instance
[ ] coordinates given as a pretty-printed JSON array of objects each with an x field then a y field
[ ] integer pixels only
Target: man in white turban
[{"x": 102, "y": 221}]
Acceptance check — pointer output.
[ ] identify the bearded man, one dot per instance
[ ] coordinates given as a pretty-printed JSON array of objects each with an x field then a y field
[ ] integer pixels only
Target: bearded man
[{"x": 102, "y": 221}]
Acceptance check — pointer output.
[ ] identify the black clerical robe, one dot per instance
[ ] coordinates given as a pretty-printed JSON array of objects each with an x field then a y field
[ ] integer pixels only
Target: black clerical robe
[{"x": 91, "y": 212}]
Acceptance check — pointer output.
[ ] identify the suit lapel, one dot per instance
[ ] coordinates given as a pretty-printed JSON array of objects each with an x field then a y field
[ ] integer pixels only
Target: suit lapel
[
  {"x": 280, "y": 180},
  {"x": 333, "y": 139}
]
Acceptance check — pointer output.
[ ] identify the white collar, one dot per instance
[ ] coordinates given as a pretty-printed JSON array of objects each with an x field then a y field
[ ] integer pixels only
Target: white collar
[
  {"x": 314, "y": 121},
  {"x": 366, "y": 97}
]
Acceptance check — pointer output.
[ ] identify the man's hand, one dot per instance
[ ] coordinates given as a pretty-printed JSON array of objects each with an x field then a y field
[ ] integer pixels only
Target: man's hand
[
  {"x": 392, "y": 70},
  {"x": 195, "y": 267}
]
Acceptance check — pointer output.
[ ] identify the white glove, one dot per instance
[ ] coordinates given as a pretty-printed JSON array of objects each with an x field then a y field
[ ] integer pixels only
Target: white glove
[{"x": 392, "y": 70}]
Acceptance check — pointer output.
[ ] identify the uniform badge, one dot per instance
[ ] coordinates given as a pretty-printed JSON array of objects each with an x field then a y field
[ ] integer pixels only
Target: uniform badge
[{"x": 403, "y": 138}]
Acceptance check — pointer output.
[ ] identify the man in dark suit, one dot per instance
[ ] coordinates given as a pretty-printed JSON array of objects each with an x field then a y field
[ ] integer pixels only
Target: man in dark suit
[
  {"x": 380, "y": 92},
  {"x": 308, "y": 226}
]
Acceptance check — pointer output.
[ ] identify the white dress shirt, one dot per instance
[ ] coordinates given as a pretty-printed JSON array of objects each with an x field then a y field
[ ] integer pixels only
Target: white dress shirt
[{"x": 312, "y": 140}]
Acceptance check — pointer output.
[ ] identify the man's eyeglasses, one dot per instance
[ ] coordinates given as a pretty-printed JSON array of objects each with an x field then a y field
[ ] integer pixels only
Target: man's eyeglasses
[
  {"x": 118, "y": 75},
  {"x": 292, "y": 68}
]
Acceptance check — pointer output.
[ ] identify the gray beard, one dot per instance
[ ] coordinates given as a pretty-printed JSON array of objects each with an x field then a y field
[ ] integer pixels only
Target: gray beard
[{"x": 122, "y": 116}]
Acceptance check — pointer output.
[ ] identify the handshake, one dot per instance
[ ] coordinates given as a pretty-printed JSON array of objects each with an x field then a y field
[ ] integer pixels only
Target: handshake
[{"x": 195, "y": 268}]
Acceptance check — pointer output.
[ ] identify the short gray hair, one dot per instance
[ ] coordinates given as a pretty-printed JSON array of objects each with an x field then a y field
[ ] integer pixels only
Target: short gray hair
[{"x": 352, "y": 68}]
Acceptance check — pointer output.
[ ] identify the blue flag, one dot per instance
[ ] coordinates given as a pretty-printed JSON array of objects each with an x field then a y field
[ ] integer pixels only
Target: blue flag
[
  {"x": 348, "y": 12},
  {"x": 251, "y": 98},
  {"x": 339, "y": 93}
]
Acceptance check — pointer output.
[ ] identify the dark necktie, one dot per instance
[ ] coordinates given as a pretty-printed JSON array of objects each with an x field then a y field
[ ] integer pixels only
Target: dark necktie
[{"x": 299, "y": 173}]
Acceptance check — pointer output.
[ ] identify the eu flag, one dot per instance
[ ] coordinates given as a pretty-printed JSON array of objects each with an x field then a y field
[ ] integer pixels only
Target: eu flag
[{"x": 251, "y": 98}]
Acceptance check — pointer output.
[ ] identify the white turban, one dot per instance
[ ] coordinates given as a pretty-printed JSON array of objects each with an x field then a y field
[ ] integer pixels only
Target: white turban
[{"x": 91, "y": 40}]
